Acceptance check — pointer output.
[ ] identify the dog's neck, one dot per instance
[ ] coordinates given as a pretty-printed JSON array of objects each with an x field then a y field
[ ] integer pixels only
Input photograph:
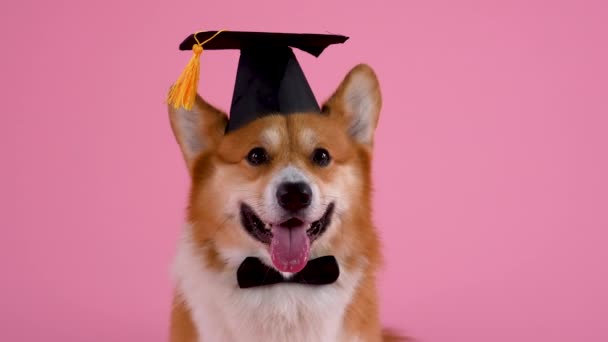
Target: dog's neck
[{"x": 280, "y": 312}]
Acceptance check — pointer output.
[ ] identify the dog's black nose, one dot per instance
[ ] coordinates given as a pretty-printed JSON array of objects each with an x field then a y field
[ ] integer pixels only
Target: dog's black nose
[{"x": 294, "y": 196}]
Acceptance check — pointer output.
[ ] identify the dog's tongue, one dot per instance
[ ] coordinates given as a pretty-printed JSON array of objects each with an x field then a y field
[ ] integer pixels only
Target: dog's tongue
[{"x": 289, "y": 248}]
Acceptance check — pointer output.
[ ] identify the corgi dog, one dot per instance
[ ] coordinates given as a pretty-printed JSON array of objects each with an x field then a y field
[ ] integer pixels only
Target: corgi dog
[{"x": 279, "y": 194}]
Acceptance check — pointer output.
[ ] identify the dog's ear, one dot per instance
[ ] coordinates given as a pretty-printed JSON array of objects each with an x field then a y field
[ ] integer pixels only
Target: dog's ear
[
  {"x": 197, "y": 130},
  {"x": 358, "y": 102}
]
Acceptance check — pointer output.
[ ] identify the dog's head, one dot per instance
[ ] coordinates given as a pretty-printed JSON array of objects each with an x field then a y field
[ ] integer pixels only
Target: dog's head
[{"x": 283, "y": 187}]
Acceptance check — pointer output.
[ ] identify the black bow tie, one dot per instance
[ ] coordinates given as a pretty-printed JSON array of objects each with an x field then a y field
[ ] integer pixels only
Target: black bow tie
[{"x": 320, "y": 271}]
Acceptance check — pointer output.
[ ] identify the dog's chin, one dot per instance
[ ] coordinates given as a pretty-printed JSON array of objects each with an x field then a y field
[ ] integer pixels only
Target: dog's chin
[{"x": 288, "y": 242}]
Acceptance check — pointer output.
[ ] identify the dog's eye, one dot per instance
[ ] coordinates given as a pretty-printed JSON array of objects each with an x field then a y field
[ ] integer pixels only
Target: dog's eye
[
  {"x": 257, "y": 156},
  {"x": 321, "y": 157}
]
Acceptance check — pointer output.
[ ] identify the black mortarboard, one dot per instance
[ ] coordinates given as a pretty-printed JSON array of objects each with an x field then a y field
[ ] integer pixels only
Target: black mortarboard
[{"x": 269, "y": 79}]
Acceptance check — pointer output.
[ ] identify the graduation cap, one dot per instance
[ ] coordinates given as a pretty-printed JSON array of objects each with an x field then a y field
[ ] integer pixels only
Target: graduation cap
[{"x": 269, "y": 79}]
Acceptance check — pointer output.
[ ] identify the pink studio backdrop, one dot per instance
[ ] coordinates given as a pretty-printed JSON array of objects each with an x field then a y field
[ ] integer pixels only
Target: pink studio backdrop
[{"x": 490, "y": 170}]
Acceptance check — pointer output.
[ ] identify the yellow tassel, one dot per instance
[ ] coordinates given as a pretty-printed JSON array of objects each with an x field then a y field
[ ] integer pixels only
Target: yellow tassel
[{"x": 183, "y": 92}]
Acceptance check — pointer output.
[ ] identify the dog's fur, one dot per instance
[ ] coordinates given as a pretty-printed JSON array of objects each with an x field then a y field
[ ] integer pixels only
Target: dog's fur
[{"x": 208, "y": 305}]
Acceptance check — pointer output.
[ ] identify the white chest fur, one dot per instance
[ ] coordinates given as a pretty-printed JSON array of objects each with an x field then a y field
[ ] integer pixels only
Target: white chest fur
[{"x": 222, "y": 312}]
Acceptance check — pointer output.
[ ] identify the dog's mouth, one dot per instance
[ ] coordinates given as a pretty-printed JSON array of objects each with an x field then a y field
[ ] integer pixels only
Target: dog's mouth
[
  {"x": 263, "y": 232},
  {"x": 289, "y": 242}
]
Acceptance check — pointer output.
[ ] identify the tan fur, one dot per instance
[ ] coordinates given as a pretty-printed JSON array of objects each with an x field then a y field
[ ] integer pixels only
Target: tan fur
[
  {"x": 391, "y": 336},
  {"x": 182, "y": 327},
  {"x": 219, "y": 170}
]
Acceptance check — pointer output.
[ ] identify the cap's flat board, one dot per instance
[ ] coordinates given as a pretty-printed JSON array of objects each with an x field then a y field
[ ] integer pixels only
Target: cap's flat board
[{"x": 314, "y": 44}]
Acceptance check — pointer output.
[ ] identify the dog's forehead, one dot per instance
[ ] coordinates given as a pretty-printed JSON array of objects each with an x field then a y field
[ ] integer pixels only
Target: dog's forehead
[
  {"x": 301, "y": 131},
  {"x": 307, "y": 137},
  {"x": 271, "y": 136}
]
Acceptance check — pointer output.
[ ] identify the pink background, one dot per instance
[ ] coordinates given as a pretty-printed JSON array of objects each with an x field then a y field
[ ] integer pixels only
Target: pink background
[{"x": 491, "y": 160}]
